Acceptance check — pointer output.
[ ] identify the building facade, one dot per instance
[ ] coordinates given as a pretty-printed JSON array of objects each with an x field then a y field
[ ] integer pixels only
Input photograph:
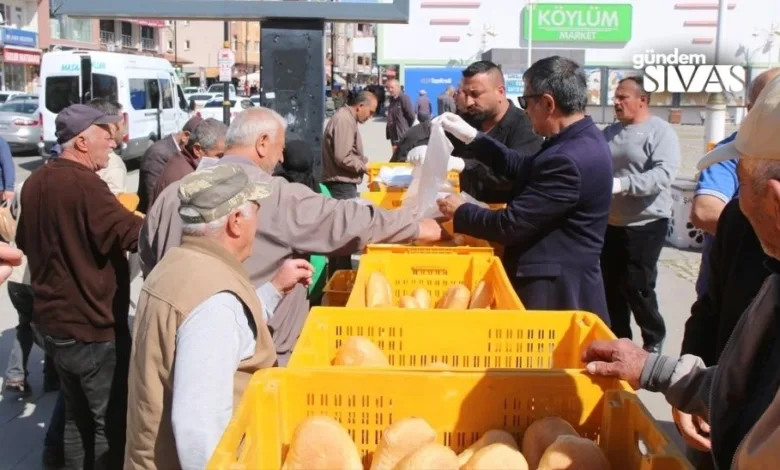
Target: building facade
[
  {"x": 353, "y": 47},
  {"x": 21, "y": 55},
  {"x": 193, "y": 46},
  {"x": 245, "y": 42}
]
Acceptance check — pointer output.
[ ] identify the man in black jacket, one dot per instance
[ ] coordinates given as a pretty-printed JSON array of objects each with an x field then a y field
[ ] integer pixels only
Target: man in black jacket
[
  {"x": 737, "y": 271},
  {"x": 487, "y": 108}
]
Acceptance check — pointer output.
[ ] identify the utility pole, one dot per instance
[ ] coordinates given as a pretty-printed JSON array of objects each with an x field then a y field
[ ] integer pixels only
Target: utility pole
[
  {"x": 715, "y": 120},
  {"x": 226, "y": 90},
  {"x": 246, "y": 58}
]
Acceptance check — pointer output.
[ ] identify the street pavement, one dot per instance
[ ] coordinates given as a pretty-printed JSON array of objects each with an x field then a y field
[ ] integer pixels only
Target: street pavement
[{"x": 23, "y": 422}]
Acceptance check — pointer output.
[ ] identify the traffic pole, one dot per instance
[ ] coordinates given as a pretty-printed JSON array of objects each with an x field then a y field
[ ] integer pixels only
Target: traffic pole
[
  {"x": 226, "y": 90},
  {"x": 715, "y": 113}
]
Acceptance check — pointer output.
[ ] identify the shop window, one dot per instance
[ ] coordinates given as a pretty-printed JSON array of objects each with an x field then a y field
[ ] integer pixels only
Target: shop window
[
  {"x": 594, "y": 86},
  {"x": 61, "y": 92},
  {"x": 167, "y": 94},
  {"x": 71, "y": 29},
  {"x": 144, "y": 93},
  {"x": 104, "y": 86},
  {"x": 187, "y": 44}
]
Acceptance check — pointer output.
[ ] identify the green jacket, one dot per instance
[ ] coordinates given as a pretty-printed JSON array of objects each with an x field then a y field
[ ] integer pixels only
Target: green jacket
[{"x": 320, "y": 263}]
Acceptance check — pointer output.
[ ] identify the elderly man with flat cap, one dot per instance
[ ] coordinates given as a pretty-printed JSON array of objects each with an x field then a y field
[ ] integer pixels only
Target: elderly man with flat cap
[
  {"x": 200, "y": 331},
  {"x": 75, "y": 234}
]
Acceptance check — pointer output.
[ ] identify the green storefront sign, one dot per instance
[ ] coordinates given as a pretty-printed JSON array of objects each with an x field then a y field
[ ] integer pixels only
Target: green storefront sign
[{"x": 579, "y": 22}]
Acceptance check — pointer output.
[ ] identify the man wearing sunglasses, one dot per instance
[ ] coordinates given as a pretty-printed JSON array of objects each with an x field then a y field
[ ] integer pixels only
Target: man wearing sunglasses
[{"x": 553, "y": 226}]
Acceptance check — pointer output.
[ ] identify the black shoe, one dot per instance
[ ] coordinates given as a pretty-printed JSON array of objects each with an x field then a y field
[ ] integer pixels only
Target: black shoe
[
  {"x": 18, "y": 386},
  {"x": 53, "y": 458}
]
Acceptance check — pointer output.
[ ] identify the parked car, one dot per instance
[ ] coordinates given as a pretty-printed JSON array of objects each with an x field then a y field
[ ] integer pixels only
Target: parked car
[
  {"x": 255, "y": 100},
  {"x": 191, "y": 90},
  {"x": 213, "y": 109},
  {"x": 219, "y": 88},
  {"x": 20, "y": 124},
  {"x": 4, "y": 95},
  {"x": 22, "y": 97},
  {"x": 198, "y": 100}
]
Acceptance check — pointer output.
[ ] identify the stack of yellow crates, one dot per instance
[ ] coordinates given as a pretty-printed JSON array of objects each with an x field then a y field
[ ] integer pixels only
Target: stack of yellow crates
[{"x": 464, "y": 371}]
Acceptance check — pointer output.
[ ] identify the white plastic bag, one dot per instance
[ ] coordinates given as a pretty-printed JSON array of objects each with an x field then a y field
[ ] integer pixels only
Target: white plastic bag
[{"x": 429, "y": 180}]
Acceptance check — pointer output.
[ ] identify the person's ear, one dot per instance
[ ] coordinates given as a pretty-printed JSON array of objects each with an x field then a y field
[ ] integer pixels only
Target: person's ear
[
  {"x": 197, "y": 150},
  {"x": 185, "y": 137},
  {"x": 81, "y": 143},
  {"x": 233, "y": 225},
  {"x": 549, "y": 102},
  {"x": 773, "y": 187},
  {"x": 261, "y": 145}
]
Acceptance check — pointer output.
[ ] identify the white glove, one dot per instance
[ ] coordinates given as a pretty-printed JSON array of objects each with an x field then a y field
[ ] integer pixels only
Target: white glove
[
  {"x": 617, "y": 188},
  {"x": 416, "y": 156},
  {"x": 456, "y": 164},
  {"x": 456, "y": 126}
]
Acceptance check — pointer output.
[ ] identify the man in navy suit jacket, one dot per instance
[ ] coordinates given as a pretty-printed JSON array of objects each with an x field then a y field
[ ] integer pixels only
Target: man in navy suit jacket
[{"x": 553, "y": 227}]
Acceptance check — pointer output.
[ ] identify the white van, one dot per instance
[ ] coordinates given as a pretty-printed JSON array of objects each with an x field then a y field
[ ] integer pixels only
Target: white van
[{"x": 151, "y": 97}]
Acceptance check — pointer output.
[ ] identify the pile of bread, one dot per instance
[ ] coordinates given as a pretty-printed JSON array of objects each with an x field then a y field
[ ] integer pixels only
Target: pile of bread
[
  {"x": 321, "y": 443},
  {"x": 458, "y": 297}
]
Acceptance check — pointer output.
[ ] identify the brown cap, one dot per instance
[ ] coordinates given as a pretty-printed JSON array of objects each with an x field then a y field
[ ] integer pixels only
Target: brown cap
[
  {"x": 214, "y": 192},
  {"x": 77, "y": 118}
]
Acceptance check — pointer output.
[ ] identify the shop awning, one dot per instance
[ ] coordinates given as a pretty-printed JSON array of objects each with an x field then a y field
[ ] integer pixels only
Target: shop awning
[{"x": 212, "y": 72}]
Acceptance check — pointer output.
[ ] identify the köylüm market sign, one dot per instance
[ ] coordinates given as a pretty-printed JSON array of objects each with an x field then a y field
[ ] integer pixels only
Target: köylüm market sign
[{"x": 585, "y": 22}]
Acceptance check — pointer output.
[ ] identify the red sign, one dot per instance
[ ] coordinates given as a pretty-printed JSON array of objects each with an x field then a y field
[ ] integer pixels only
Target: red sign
[
  {"x": 19, "y": 56},
  {"x": 150, "y": 23}
]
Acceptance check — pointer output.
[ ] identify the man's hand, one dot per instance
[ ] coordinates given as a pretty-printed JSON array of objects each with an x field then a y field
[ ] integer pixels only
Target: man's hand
[
  {"x": 456, "y": 126},
  {"x": 292, "y": 272},
  {"x": 429, "y": 231},
  {"x": 9, "y": 257},
  {"x": 8, "y": 195},
  {"x": 450, "y": 204},
  {"x": 693, "y": 429},
  {"x": 620, "y": 359}
]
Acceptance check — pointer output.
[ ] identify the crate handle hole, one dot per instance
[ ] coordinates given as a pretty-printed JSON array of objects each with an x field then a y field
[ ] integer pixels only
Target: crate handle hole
[{"x": 641, "y": 444}]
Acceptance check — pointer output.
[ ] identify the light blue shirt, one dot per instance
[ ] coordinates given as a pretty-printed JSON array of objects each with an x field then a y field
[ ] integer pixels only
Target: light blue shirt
[{"x": 210, "y": 344}]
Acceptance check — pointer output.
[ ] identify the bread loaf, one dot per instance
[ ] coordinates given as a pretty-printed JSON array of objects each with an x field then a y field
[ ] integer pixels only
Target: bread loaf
[
  {"x": 423, "y": 297},
  {"x": 401, "y": 439},
  {"x": 457, "y": 297},
  {"x": 541, "y": 434},
  {"x": 493, "y": 436},
  {"x": 321, "y": 443},
  {"x": 573, "y": 453},
  {"x": 408, "y": 302},
  {"x": 378, "y": 290},
  {"x": 496, "y": 456},
  {"x": 430, "y": 457},
  {"x": 360, "y": 351},
  {"x": 483, "y": 295}
]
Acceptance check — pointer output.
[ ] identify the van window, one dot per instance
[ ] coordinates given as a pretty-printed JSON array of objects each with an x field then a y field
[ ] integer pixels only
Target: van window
[
  {"x": 167, "y": 94},
  {"x": 144, "y": 93},
  {"x": 182, "y": 99},
  {"x": 104, "y": 86},
  {"x": 61, "y": 92}
]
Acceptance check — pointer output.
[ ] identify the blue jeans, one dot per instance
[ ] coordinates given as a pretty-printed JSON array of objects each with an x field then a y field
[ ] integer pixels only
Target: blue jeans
[{"x": 21, "y": 296}]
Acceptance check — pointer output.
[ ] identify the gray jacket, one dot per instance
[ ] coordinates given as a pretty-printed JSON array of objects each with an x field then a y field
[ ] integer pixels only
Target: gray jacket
[
  {"x": 721, "y": 394},
  {"x": 294, "y": 221},
  {"x": 645, "y": 158}
]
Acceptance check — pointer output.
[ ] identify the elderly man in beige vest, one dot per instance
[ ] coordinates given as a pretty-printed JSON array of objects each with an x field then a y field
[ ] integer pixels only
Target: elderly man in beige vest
[{"x": 199, "y": 329}]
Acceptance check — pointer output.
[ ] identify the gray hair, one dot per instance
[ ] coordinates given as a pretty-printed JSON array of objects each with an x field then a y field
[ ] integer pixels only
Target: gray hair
[
  {"x": 251, "y": 124},
  {"x": 561, "y": 78},
  {"x": 761, "y": 172},
  {"x": 423, "y": 92},
  {"x": 215, "y": 227},
  {"x": 69, "y": 144},
  {"x": 207, "y": 133}
]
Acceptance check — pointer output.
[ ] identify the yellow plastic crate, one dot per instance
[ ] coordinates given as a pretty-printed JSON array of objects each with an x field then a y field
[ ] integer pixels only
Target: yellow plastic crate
[
  {"x": 460, "y": 406},
  {"x": 380, "y": 248},
  {"x": 373, "y": 169},
  {"x": 463, "y": 339},
  {"x": 337, "y": 290},
  {"x": 436, "y": 273}
]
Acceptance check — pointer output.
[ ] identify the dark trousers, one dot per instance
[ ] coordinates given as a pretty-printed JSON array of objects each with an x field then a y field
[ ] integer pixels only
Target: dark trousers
[
  {"x": 93, "y": 377},
  {"x": 340, "y": 191},
  {"x": 629, "y": 262}
]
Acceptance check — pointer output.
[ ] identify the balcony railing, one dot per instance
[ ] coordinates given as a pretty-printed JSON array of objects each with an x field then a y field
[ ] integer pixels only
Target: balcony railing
[
  {"x": 107, "y": 37},
  {"x": 148, "y": 44},
  {"x": 127, "y": 40}
]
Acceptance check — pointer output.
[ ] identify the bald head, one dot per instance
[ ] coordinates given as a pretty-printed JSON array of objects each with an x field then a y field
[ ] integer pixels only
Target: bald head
[{"x": 758, "y": 84}]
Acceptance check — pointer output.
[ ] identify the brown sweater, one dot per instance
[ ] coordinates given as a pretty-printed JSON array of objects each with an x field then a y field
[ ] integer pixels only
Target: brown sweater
[
  {"x": 179, "y": 166},
  {"x": 75, "y": 234}
]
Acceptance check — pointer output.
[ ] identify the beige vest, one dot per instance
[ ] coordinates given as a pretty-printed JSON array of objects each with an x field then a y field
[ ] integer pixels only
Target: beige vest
[{"x": 186, "y": 277}]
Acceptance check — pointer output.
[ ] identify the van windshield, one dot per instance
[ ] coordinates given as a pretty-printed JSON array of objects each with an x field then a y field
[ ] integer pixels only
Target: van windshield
[{"x": 61, "y": 92}]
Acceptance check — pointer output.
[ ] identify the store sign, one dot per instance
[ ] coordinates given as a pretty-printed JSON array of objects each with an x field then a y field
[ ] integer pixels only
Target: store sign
[
  {"x": 14, "y": 56},
  {"x": 688, "y": 73},
  {"x": 574, "y": 22},
  {"x": 18, "y": 37},
  {"x": 514, "y": 84},
  {"x": 434, "y": 80}
]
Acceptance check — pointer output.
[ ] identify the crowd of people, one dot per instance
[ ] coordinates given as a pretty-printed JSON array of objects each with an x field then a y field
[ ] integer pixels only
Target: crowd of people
[{"x": 231, "y": 224}]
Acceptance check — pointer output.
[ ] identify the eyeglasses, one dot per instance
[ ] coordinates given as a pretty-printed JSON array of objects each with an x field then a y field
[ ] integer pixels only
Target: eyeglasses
[{"x": 523, "y": 100}]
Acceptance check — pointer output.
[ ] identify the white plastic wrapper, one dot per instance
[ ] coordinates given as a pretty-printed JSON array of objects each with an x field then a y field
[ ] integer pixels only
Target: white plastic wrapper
[
  {"x": 430, "y": 178},
  {"x": 395, "y": 177}
]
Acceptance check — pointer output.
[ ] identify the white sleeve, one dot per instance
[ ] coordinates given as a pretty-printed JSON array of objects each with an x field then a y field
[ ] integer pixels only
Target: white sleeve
[
  {"x": 209, "y": 346},
  {"x": 269, "y": 298}
]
